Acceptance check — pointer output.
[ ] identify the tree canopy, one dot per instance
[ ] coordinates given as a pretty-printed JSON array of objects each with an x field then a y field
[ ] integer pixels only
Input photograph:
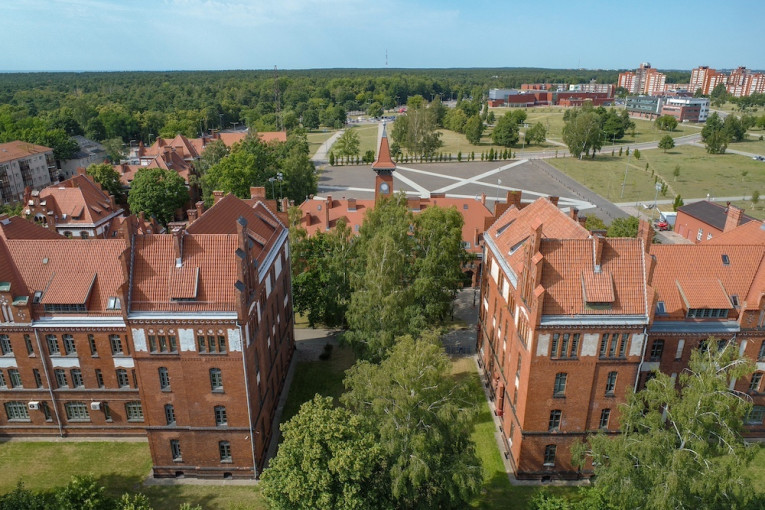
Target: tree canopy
[
  {"x": 666, "y": 143},
  {"x": 416, "y": 130},
  {"x": 680, "y": 444},
  {"x": 506, "y": 131},
  {"x": 666, "y": 123},
  {"x": 158, "y": 193},
  {"x": 714, "y": 135},
  {"x": 109, "y": 179}
]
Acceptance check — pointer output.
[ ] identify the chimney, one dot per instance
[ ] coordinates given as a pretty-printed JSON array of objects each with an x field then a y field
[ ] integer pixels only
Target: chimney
[
  {"x": 574, "y": 213},
  {"x": 351, "y": 204},
  {"x": 514, "y": 198},
  {"x": 193, "y": 215},
  {"x": 554, "y": 200},
  {"x": 483, "y": 198},
  {"x": 258, "y": 192},
  {"x": 645, "y": 232},
  {"x": 329, "y": 202},
  {"x": 217, "y": 195},
  {"x": 326, "y": 215},
  {"x": 178, "y": 247},
  {"x": 200, "y": 208},
  {"x": 582, "y": 221},
  {"x": 141, "y": 217},
  {"x": 413, "y": 204},
  {"x": 733, "y": 218},
  {"x": 285, "y": 204},
  {"x": 81, "y": 170},
  {"x": 598, "y": 252},
  {"x": 307, "y": 218}
]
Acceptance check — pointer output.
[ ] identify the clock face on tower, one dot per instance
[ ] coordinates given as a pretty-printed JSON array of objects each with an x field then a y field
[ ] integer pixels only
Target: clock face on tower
[{"x": 384, "y": 188}]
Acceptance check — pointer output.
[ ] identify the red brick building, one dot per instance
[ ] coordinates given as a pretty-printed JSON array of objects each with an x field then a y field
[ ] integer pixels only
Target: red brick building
[
  {"x": 569, "y": 321},
  {"x": 185, "y": 338},
  {"x": 704, "y": 220}
]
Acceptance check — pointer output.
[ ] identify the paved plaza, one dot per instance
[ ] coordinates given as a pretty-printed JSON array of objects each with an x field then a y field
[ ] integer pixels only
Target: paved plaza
[{"x": 535, "y": 178}]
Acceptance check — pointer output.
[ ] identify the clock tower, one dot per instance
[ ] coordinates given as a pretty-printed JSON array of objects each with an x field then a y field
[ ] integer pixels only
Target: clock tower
[{"x": 383, "y": 167}]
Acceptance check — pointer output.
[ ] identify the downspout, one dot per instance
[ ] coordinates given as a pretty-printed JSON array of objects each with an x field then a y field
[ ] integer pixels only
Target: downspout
[
  {"x": 246, "y": 338},
  {"x": 50, "y": 385}
]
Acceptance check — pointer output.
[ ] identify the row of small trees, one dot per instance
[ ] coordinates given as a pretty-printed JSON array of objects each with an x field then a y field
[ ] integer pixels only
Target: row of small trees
[{"x": 399, "y": 437}]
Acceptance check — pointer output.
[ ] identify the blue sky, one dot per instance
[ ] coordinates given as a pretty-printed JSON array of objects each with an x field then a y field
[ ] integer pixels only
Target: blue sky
[{"x": 110, "y": 35}]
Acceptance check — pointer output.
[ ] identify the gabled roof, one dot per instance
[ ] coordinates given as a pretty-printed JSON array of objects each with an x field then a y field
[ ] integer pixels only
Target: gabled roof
[
  {"x": 62, "y": 267},
  {"x": 16, "y": 227},
  {"x": 78, "y": 199},
  {"x": 9, "y": 273},
  {"x": 710, "y": 213},
  {"x": 705, "y": 276},
  {"x": 752, "y": 232}
]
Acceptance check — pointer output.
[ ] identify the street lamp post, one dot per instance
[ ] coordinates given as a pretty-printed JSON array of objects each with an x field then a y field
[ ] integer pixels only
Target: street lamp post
[
  {"x": 280, "y": 178},
  {"x": 496, "y": 200},
  {"x": 271, "y": 180},
  {"x": 655, "y": 198},
  {"x": 625, "y": 173}
]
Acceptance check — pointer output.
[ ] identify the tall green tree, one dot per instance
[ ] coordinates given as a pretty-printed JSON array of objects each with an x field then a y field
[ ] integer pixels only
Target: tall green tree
[
  {"x": 109, "y": 179},
  {"x": 719, "y": 95},
  {"x": 82, "y": 493},
  {"x": 416, "y": 130},
  {"x": 582, "y": 132},
  {"x": 666, "y": 143},
  {"x": 666, "y": 123},
  {"x": 506, "y": 131},
  {"x": 347, "y": 144},
  {"x": 714, "y": 135},
  {"x": 422, "y": 419},
  {"x": 158, "y": 193},
  {"x": 474, "y": 129},
  {"x": 680, "y": 444},
  {"x": 321, "y": 273},
  {"x": 214, "y": 152},
  {"x": 536, "y": 134},
  {"x": 330, "y": 458}
]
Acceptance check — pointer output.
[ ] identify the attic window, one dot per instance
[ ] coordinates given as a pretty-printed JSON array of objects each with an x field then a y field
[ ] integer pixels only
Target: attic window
[
  {"x": 36, "y": 297},
  {"x": 517, "y": 245},
  {"x": 734, "y": 300},
  {"x": 660, "y": 308},
  {"x": 725, "y": 260},
  {"x": 465, "y": 206},
  {"x": 114, "y": 304}
]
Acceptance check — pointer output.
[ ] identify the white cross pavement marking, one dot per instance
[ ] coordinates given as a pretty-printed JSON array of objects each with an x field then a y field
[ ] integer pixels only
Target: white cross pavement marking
[
  {"x": 479, "y": 177},
  {"x": 345, "y": 188},
  {"x": 424, "y": 193},
  {"x": 433, "y": 174}
]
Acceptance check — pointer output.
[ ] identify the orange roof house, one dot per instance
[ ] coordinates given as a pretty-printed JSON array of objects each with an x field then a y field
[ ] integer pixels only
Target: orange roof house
[{"x": 76, "y": 207}]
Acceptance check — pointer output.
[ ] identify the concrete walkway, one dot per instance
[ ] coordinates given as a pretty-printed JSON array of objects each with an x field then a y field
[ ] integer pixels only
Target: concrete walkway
[{"x": 322, "y": 153}]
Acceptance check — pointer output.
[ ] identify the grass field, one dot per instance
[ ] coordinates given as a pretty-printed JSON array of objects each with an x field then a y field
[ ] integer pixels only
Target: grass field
[
  {"x": 322, "y": 377},
  {"x": 316, "y": 138},
  {"x": 700, "y": 174},
  {"x": 44, "y": 465},
  {"x": 367, "y": 137},
  {"x": 750, "y": 144}
]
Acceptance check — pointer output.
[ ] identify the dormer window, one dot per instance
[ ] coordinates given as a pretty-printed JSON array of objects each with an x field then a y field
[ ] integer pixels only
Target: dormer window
[
  {"x": 708, "y": 313},
  {"x": 36, "y": 298},
  {"x": 725, "y": 260},
  {"x": 114, "y": 304},
  {"x": 660, "y": 308},
  {"x": 734, "y": 300}
]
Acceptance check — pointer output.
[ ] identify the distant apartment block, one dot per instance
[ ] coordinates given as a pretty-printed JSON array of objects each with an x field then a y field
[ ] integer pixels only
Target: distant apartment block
[
  {"x": 24, "y": 164},
  {"x": 89, "y": 153},
  {"x": 643, "y": 80},
  {"x": 741, "y": 82}
]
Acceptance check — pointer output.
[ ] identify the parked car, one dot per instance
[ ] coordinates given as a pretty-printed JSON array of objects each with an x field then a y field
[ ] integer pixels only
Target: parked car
[{"x": 662, "y": 225}]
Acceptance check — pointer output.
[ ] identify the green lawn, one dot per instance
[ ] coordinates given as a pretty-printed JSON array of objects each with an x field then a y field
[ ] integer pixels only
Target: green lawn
[
  {"x": 700, "y": 173},
  {"x": 120, "y": 467},
  {"x": 316, "y": 138},
  {"x": 322, "y": 377},
  {"x": 751, "y": 144},
  {"x": 497, "y": 492},
  {"x": 757, "y": 470},
  {"x": 367, "y": 137}
]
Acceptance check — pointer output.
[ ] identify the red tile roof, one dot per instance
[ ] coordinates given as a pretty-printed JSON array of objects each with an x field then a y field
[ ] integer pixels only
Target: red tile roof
[
  {"x": 56, "y": 267},
  {"x": 16, "y": 227},
  {"x": 155, "y": 279},
  {"x": 9, "y": 272},
  {"x": 598, "y": 287},
  {"x": 752, "y": 232},
  {"x": 184, "y": 282},
  {"x": 17, "y": 149},
  {"x": 70, "y": 288},
  {"x": 78, "y": 199},
  {"x": 473, "y": 211},
  {"x": 704, "y": 275}
]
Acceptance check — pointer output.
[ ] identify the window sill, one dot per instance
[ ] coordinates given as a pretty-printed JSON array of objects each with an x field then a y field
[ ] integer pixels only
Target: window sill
[
  {"x": 227, "y": 462},
  {"x": 20, "y": 420},
  {"x": 79, "y": 420},
  {"x": 559, "y": 396},
  {"x": 218, "y": 391},
  {"x": 135, "y": 421},
  {"x": 178, "y": 460}
]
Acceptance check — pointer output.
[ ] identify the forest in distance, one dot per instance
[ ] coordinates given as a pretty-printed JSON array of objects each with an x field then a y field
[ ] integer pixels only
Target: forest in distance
[{"x": 143, "y": 105}]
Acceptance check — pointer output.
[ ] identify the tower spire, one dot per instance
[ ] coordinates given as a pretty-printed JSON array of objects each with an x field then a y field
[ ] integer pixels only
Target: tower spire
[{"x": 383, "y": 167}]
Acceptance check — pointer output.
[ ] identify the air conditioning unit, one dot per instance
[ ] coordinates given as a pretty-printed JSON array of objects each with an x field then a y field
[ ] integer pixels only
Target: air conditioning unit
[
  {"x": 34, "y": 406},
  {"x": 95, "y": 406}
]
